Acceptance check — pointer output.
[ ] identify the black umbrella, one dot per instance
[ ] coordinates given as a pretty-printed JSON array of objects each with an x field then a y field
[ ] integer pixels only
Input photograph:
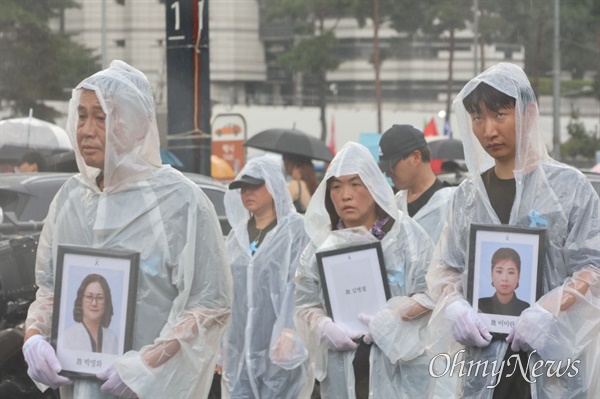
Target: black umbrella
[
  {"x": 290, "y": 141},
  {"x": 446, "y": 148}
]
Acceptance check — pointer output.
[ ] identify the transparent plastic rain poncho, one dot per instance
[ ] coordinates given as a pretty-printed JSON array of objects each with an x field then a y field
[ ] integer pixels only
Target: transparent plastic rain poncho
[
  {"x": 398, "y": 362},
  {"x": 184, "y": 284},
  {"x": 547, "y": 192},
  {"x": 263, "y": 356},
  {"x": 432, "y": 216}
]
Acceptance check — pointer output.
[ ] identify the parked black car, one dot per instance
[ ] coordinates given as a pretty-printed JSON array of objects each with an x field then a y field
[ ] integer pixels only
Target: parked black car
[
  {"x": 25, "y": 199},
  {"x": 28, "y": 197}
]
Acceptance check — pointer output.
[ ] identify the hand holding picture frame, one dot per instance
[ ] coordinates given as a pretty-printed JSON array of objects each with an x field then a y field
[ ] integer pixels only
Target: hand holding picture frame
[
  {"x": 94, "y": 308},
  {"x": 354, "y": 281},
  {"x": 505, "y": 273}
]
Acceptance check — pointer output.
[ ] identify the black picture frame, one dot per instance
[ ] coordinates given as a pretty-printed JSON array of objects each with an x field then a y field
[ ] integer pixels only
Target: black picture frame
[
  {"x": 365, "y": 289},
  {"x": 77, "y": 268},
  {"x": 488, "y": 241}
]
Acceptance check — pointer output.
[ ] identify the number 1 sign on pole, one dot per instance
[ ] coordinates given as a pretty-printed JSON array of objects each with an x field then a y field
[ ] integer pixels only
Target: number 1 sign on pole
[{"x": 188, "y": 81}]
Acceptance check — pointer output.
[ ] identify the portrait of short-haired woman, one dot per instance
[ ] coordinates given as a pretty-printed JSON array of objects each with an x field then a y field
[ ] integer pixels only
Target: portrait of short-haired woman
[
  {"x": 506, "y": 271},
  {"x": 92, "y": 312}
]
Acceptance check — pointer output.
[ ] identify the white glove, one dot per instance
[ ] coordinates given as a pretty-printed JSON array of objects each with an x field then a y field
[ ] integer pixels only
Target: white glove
[
  {"x": 337, "y": 339},
  {"x": 43, "y": 363},
  {"x": 535, "y": 329},
  {"x": 114, "y": 385},
  {"x": 517, "y": 341},
  {"x": 367, "y": 319},
  {"x": 467, "y": 326}
]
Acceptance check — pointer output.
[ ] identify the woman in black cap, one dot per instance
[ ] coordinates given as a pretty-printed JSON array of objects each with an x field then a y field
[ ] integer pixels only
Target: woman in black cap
[{"x": 263, "y": 356}]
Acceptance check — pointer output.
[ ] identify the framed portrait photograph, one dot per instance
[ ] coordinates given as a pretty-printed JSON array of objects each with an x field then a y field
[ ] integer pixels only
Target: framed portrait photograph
[
  {"x": 505, "y": 273},
  {"x": 354, "y": 281},
  {"x": 94, "y": 308}
]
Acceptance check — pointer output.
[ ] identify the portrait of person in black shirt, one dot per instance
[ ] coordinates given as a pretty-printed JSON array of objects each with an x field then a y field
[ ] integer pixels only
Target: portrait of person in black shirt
[{"x": 506, "y": 271}]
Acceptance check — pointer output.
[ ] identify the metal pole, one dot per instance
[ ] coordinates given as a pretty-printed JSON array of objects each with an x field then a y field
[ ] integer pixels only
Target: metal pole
[
  {"x": 205, "y": 111},
  {"x": 103, "y": 35},
  {"x": 475, "y": 36},
  {"x": 377, "y": 63},
  {"x": 556, "y": 86}
]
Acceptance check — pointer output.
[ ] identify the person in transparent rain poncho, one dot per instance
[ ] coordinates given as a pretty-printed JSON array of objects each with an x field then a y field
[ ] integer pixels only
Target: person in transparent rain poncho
[
  {"x": 405, "y": 158},
  {"x": 514, "y": 181},
  {"x": 124, "y": 199},
  {"x": 263, "y": 356},
  {"x": 354, "y": 205}
]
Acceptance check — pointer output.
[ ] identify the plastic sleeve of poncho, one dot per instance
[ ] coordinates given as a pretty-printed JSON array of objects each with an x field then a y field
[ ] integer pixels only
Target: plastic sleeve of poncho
[
  {"x": 284, "y": 328},
  {"x": 570, "y": 334},
  {"x": 310, "y": 315},
  {"x": 444, "y": 280},
  {"x": 197, "y": 320},
  {"x": 399, "y": 339}
]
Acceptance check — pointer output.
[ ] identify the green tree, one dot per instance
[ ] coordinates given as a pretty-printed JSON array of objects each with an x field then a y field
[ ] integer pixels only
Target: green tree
[
  {"x": 314, "y": 53},
  {"x": 492, "y": 27},
  {"x": 446, "y": 17},
  {"x": 403, "y": 16},
  {"x": 580, "y": 142},
  {"x": 579, "y": 32},
  {"x": 532, "y": 25},
  {"x": 37, "y": 63}
]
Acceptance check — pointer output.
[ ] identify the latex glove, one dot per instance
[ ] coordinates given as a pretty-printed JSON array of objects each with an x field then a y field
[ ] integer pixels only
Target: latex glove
[
  {"x": 535, "y": 330},
  {"x": 43, "y": 363},
  {"x": 337, "y": 339},
  {"x": 517, "y": 341},
  {"x": 467, "y": 326},
  {"x": 367, "y": 318},
  {"x": 114, "y": 385}
]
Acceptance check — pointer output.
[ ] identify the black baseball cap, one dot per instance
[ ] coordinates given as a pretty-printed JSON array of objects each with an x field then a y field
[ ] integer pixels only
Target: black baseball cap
[
  {"x": 397, "y": 143},
  {"x": 245, "y": 179}
]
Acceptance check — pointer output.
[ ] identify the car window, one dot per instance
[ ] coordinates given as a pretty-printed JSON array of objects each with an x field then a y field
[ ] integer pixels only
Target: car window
[
  {"x": 9, "y": 201},
  {"x": 217, "y": 198}
]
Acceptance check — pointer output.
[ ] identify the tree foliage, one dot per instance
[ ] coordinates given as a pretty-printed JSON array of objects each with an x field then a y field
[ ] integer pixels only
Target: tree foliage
[
  {"x": 312, "y": 54},
  {"x": 581, "y": 142},
  {"x": 37, "y": 63}
]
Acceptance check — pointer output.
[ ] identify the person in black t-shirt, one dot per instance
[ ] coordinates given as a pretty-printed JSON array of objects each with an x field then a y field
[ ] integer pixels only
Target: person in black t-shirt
[
  {"x": 513, "y": 181},
  {"x": 405, "y": 158},
  {"x": 506, "y": 271}
]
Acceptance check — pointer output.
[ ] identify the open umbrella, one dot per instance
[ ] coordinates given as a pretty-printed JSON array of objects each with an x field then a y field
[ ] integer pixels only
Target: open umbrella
[
  {"x": 34, "y": 134},
  {"x": 446, "y": 148},
  {"x": 290, "y": 141}
]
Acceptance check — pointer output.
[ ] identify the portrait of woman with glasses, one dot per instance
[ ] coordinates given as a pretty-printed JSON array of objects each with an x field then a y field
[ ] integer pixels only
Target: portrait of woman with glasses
[{"x": 92, "y": 312}]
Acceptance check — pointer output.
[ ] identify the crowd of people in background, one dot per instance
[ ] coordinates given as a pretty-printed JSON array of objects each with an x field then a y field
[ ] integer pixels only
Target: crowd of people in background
[{"x": 253, "y": 307}]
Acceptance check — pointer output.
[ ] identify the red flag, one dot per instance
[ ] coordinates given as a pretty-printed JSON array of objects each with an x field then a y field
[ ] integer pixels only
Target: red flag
[
  {"x": 331, "y": 144},
  {"x": 430, "y": 129}
]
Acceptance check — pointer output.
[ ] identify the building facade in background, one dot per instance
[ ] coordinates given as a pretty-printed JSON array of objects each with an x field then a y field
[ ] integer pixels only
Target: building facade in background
[
  {"x": 244, "y": 47},
  {"x": 247, "y": 79}
]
